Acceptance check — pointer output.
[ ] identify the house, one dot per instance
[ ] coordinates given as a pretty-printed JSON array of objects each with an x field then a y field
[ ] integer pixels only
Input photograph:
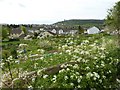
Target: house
[
  {"x": 30, "y": 31},
  {"x": 16, "y": 33},
  {"x": 42, "y": 29},
  {"x": 45, "y": 34},
  {"x": 54, "y": 31},
  {"x": 73, "y": 32},
  {"x": 93, "y": 30},
  {"x": 60, "y": 31},
  {"x": 28, "y": 37},
  {"x": 101, "y": 31}
]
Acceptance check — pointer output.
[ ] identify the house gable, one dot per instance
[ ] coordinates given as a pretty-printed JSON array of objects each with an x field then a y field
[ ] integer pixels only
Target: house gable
[{"x": 93, "y": 30}]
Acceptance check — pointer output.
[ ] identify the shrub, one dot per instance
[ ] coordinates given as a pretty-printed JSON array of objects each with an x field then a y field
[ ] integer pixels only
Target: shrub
[
  {"x": 5, "y": 54},
  {"x": 45, "y": 44}
]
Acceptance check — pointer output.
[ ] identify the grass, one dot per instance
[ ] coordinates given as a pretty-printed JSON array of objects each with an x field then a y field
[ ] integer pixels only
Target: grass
[{"x": 61, "y": 49}]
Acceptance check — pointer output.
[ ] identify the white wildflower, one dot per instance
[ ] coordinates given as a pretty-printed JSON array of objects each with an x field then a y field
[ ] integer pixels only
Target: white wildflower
[
  {"x": 80, "y": 77},
  {"x": 65, "y": 77},
  {"x": 87, "y": 68},
  {"x": 35, "y": 65},
  {"x": 41, "y": 58},
  {"x": 118, "y": 80},
  {"x": 100, "y": 81},
  {"x": 67, "y": 69},
  {"x": 102, "y": 65},
  {"x": 104, "y": 77},
  {"x": 54, "y": 78},
  {"x": 102, "y": 56},
  {"x": 60, "y": 53},
  {"x": 76, "y": 66},
  {"x": 109, "y": 71},
  {"x": 17, "y": 61},
  {"x": 71, "y": 76},
  {"x": 94, "y": 78},
  {"x": 62, "y": 66},
  {"x": 79, "y": 59},
  {"x": 30, "y": 87},
  {"x": 95, "y": 57},
  {"x": 39, "y": 72},
  {"x": 60, "y": 71},
  {"x": 86, "y": 52},
  {"x": 33, "y": 79},
  {"x": 82, "y": 52},
  {"x": 38, "y": 50},
  {"x": 76, "y": 51},
  {"x": 10, "y": 58},
  {"x": 79, "y": 86},
  {"x": 97, "y": 66},
  {"x": 22, "y": 45},
  {"x": 2, "y": 64},
  {"x": 77, "y": 73},
  {"x": 78, "y": 80},
  {"x": 45, "y": 76},
  {"x": 102, "y": 48},
  {"x": 72, "y": 84},
  {"x": 89, "y": 74},
  {"x": 96, "y": 74}
]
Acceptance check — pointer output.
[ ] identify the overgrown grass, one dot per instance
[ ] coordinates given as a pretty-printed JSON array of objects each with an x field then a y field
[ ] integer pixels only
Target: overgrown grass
[{"x": 92, "y": 51}]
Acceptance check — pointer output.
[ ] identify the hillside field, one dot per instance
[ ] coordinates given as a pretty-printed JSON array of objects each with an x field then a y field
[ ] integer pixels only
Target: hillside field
[{"x": 80, "y": 61}]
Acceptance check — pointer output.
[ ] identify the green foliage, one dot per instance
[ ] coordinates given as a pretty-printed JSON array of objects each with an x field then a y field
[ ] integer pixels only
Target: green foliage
[
  {"x": 35, "y": 35},
  {"x": 81, "y": 30},
  {"x": 96, "y": 65},
  {"x": 83, "y": 22},
  {"x": 5, "y": 54},
  {"x": 45, "y": 44},
  {"x": 113, "y": 17},
  {"x": 14, "y": 52},
  {"x": 4, "y": 32},
  {"x": 23, "y": 28},
  {"x": 113, "y": 20}
]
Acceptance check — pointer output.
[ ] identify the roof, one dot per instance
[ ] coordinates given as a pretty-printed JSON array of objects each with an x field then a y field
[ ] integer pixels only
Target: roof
[
  {"x": 16, "y": 31},
  {"x": 51, "y": 32},
  {"x": 22, "y": 36},
  {"x": 93, "y": 30}
]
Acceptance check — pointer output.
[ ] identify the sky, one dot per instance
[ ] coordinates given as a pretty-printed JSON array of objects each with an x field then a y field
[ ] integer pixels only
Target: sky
[{"x": 51, "y": 11}]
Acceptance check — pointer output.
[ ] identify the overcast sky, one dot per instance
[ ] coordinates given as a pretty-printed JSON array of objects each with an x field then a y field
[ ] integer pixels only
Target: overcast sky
[{"x": 51, "y": 11}]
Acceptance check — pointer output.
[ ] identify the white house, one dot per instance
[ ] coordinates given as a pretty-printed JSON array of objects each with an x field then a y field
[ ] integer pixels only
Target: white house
[
  {"x": 45, "y": 34},
  {"x": 93, "y": 30},
  {"x": 42, "y": 29},
  {"x": 73, "y": 31},
  {"x": 54, "y": 31},
  {"x": 60, "y": 31},
  {"x": 31, "y": 31}
]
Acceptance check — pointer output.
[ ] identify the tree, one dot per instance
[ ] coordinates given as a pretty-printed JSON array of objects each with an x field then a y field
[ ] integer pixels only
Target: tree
[
  {"x": 35, "y": 34},
  {"x": 4, "y": 32},
  {"x": 24, "y": 29},
  {"x": 13, "y": 52},
  {"x": 113, "y": 20},
  {"x": 81, "y": 30}
]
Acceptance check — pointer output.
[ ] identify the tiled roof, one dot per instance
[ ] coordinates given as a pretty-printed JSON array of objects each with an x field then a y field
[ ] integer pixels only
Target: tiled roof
[{"x": 16, "y": 31}]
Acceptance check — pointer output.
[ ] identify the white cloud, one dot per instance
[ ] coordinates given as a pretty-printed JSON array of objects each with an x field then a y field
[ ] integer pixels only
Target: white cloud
[{"x": 50, "y": 11}]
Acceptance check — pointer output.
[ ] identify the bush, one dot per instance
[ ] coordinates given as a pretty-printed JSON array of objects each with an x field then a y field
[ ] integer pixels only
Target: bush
[
  {"x": 45, "y": 44},
  {"x": 13, "y": 53},
  {"x": 5, "y": 54},
  {"x": 15, "y": 39}
]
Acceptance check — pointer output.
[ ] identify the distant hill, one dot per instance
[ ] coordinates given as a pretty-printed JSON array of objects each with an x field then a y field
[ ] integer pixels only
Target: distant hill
[{"x": 82, "y": 22}]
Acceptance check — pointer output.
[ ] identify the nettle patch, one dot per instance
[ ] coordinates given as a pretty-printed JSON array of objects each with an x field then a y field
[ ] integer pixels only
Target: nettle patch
[{"x": 72, "y": 62}]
